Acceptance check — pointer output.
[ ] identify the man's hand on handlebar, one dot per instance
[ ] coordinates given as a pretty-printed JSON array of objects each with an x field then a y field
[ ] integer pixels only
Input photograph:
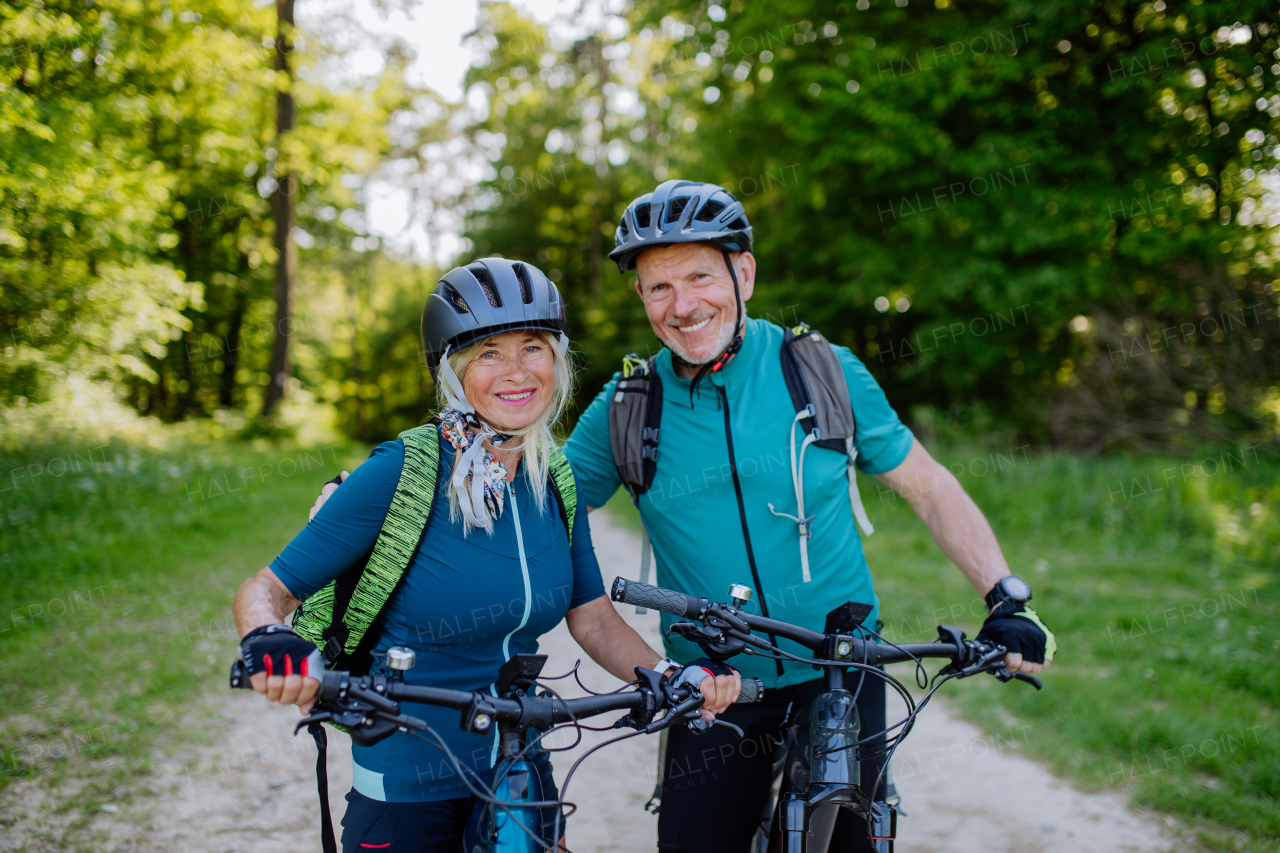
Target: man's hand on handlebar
[
  {"x": 328, "y": 489},
  {"x": 1030, "y": 643},
  {"x": 280, "y": 665}
]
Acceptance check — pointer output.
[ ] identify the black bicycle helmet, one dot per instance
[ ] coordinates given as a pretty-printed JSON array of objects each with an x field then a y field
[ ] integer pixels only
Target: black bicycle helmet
[
  {"x": 680, "y": 212},
  {"x": 487, "y": 297}
]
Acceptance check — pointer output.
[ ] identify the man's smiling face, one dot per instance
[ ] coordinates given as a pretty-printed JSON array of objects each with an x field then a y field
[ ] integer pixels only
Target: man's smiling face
[{"x": 688, "y": 296}]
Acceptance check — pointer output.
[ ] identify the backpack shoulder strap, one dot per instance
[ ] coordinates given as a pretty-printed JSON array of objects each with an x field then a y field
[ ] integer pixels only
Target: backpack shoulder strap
[
  {"x": 635, "y": 418},
  {"x": 565, "y": 489},
  {"x": 402, "y": 531},
  {"x": 815, "y": 380},
  {"x": 338, "y": 618},
  {"x": 815, "y": 377}
]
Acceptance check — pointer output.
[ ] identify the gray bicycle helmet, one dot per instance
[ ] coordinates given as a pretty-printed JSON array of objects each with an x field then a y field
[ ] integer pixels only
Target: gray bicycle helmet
[
  {"x": 680, "y": 212},
  {"x": 487, "y": 297}
]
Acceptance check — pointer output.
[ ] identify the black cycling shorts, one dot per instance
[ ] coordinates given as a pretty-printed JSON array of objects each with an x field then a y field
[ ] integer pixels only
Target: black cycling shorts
[
  {"x": 716, "y": 787},
  {"x": 434, "y": 827}
]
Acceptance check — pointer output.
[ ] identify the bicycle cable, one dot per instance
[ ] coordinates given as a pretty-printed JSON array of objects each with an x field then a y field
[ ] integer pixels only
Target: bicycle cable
[
  {"x": 569, "y": 776},
  {"x": 491, "y": 797},
  {"x": 918, "y": 662}
]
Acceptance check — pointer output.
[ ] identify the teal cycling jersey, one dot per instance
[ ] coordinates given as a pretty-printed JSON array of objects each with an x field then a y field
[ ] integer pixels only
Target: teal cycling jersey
[{"x": 692, "y": 509}]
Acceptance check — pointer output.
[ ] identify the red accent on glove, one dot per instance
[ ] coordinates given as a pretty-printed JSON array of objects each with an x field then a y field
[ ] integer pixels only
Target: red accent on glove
[
  {"x": 288, "y": 666},
  {"x": 266, "y": 665}
]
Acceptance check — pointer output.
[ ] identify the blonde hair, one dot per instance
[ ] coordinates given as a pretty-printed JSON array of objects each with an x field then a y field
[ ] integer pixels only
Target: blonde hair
[{"x": 538, "y": 439}]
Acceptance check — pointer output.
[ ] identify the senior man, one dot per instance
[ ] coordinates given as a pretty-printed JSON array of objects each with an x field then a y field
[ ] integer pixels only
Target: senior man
[{"x": 723, "y": 507}]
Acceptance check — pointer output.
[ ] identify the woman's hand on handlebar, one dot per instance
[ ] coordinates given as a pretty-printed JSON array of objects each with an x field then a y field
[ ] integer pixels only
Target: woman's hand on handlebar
[
  {"x": 719, "y": 685},
  {"x": 287, "y": 690},
  {"x": 280, "y": 663},
  {"x": 718, "y": 693}
]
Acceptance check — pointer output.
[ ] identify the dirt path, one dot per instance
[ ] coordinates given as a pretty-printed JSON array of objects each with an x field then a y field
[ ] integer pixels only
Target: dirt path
[{"x": 256, "y": 789}]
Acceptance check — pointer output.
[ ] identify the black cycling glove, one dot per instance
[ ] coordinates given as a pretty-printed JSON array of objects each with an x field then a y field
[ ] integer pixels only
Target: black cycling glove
[
  {"x": 1021, "y": 632},
  {"x": 694, "y": 673},
  {"x": 278, "y": 650}
]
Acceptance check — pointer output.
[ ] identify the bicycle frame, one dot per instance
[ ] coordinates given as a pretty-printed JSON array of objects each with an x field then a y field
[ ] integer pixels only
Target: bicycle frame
[
  {"x": 518, "y": 781},
  {"x": 823, "y": 768}
]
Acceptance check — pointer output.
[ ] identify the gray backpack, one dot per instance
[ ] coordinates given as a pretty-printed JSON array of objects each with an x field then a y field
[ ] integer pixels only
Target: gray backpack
[{"x": 818, "y": 391}]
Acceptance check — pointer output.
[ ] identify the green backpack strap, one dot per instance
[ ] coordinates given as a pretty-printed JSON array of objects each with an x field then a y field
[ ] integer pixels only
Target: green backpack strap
[
  {"x": 566, "y": 490},
  {"x": 367, "y": 586}
]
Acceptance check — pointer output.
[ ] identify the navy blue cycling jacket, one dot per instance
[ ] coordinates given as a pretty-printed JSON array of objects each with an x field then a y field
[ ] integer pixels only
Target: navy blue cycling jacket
[{"x": 465, "y": 606}]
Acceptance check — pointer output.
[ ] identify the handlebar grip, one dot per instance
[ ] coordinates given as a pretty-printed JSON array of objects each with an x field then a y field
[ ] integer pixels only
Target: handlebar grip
[
  {"x": 752, "y": 690},
  {"x": 657, "y": 598},
  {"x": 240, "y": 676}
]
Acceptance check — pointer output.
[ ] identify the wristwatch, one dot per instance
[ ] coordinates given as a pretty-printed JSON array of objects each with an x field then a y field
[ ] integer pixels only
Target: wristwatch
[
  {"x": 666, "y": 667},
  {"x": 1010, "y": 588}
]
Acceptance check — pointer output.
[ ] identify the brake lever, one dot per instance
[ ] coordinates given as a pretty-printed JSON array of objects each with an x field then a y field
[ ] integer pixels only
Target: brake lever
[
  {"x": 676, "y": 714},
  {"x": 322, "y": 717},
  {"x": 701, "y": 726},
  {"x": 1005, "y": 675}
]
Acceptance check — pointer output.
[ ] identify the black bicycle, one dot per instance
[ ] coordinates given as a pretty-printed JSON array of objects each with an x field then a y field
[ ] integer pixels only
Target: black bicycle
[
  {"x": 508, "y": 816},
  {"x": 822, "y": 752}
]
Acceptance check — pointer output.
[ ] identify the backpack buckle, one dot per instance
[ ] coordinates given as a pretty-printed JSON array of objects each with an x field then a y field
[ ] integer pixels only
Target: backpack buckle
[
  {"x": 650, "y": 434},
  {"x": 649, "y": 452},
  {"x": 332, "y": 648}
]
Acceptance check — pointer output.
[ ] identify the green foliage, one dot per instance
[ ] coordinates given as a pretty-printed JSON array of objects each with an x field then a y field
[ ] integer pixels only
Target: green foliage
[
  {"x": 998, "y": 202},
  {"x": 136, "y": 242}
]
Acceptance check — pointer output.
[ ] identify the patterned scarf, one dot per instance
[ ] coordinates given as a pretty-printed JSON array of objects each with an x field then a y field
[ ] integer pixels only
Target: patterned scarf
[{"x": 479, "y": 480}]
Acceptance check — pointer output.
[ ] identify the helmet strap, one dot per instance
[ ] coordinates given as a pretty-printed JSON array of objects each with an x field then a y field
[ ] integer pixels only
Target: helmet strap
[{"x": 736, "y": 344}]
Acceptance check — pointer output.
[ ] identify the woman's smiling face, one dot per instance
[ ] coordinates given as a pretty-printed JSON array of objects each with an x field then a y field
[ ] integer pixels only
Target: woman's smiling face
[{"x": 511, "y": 379}]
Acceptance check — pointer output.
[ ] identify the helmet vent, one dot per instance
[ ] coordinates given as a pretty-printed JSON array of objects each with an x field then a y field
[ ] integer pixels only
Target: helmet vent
[
  {"x": 642, "y": 214},
  {"x": 676, "y": 208},
  {"x": 526, "y": 285},
  {"x": 738, "y": 224},
  {"x": 709, "y": 211},
  {"x": 455, "y": 299},
  {"x": 485, "y": 278}
]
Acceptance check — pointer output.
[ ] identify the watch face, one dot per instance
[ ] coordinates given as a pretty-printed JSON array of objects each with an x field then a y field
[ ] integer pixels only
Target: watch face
[{"x": 1016, "y": 588}]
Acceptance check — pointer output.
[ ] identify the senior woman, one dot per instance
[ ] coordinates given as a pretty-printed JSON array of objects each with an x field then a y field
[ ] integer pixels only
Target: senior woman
[{"x": 494, "y": 335}]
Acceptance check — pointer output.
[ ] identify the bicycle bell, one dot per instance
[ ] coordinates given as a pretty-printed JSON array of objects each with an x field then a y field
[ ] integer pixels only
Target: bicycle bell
[
  {"x": 400, "y": 659},
  {"x": 740, "y": 594}
]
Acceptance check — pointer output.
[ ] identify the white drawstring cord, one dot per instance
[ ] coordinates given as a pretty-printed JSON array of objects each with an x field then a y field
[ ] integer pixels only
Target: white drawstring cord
[
  {"x": 855, "y": 499},
  {"x": 797, "y": 478}
]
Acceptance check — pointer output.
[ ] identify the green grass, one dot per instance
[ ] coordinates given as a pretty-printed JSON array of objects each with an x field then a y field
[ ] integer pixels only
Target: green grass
[
  {"x": 119, "y": 566},
  {"x": 1162, "y": 595}
]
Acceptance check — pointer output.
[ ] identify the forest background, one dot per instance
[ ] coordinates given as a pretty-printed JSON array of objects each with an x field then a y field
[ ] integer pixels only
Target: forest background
[
  {"x": 1050, "y": 229},
  {"x": 1053, "y": 219}
]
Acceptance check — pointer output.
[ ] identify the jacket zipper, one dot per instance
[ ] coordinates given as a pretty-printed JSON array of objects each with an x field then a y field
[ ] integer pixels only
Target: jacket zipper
[{"x": 742, "y": 516}]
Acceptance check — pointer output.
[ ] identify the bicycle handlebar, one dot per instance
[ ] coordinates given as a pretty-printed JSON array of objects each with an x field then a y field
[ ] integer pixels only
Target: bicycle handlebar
[
  {"x": 385, "y": 695},
  {"x": 862, "y": 651}
]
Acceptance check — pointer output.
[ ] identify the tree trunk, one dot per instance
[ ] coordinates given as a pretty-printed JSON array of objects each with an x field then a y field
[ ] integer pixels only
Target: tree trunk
[
  {"x": 596, "y": 46},
  {"x": 231, "y": 353},
  {"x": 282, "y": 213}
]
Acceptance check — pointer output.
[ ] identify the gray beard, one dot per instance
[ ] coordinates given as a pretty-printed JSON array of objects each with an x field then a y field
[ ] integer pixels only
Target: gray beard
[{"x": 726, "y": 338}]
